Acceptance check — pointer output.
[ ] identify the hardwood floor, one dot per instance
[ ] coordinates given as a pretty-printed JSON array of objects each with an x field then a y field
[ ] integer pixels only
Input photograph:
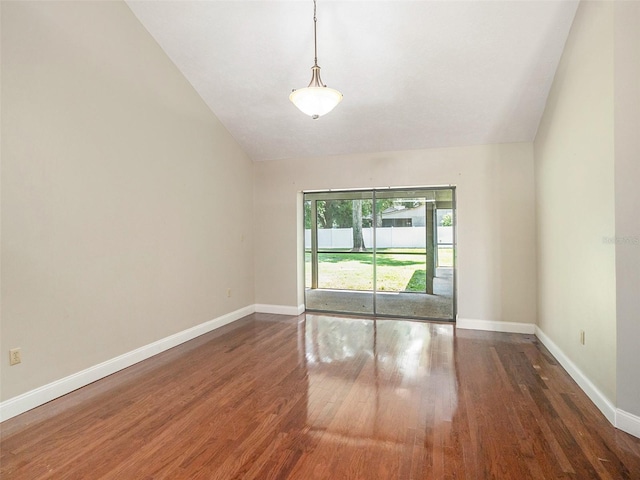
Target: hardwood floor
[{"x": 319, "y": 397}]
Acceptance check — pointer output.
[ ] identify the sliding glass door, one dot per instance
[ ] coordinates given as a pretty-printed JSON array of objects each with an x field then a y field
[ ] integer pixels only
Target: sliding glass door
[
  {"x": 381, "y": 252},
  {"x": 339, "y": 253}
]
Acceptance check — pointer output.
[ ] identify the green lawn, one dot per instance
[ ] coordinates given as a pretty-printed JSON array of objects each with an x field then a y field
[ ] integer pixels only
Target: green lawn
[{"x": 397, "y": 270}]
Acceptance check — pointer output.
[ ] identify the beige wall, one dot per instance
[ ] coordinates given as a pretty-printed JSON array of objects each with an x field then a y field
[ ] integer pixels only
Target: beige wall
[
  {"x": 496, "y": 235},
  {"x": 575, "y": 201},
  {"x": 126, "y": 206},
  {"x": 627, "y": 180}
]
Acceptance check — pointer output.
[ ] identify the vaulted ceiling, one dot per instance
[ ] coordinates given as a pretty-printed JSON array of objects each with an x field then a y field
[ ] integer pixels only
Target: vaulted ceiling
[{"x": 414, "y": 74}]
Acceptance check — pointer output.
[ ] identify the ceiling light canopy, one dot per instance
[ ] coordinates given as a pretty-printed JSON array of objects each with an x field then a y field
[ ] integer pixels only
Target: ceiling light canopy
[{"x": 317, "y": 99}]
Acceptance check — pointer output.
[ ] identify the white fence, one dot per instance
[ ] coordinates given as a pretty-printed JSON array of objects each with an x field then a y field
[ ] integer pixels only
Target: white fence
[{"x": 387, "y": 237}]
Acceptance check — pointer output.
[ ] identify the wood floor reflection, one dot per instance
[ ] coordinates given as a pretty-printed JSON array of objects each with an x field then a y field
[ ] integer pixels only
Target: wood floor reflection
[{"x": 326, "y": 397}]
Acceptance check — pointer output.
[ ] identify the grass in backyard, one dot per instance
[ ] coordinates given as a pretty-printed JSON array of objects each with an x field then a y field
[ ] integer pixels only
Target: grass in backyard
[
  {"x": 398, "y": 270},
  {"x": 354, "y": 271},
  {"x": 418, "y": 282},
  {"x": 345, "y": 275},
  {"x": 445, "y": 257}
]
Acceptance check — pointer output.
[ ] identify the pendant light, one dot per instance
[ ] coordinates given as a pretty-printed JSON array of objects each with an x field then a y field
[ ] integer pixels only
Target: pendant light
[{"x": 317, "y": 99}]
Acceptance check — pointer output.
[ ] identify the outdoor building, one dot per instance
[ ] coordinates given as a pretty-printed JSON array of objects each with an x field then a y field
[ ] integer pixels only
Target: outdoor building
[{"x": 400, "y": 216}]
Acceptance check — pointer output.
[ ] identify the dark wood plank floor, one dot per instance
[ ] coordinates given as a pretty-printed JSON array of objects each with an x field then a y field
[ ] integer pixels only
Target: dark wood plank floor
[{"x": 321, "y": 397}]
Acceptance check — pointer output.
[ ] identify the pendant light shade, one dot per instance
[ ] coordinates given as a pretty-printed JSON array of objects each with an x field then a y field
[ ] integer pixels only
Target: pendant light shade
[{"x": 317, "y": 99}]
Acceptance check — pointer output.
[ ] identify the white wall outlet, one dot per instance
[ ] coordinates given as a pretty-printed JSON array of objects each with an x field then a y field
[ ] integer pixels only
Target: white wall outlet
[
  {"x": 581, "y": 337},
  {"x": 14, "y": 356}
]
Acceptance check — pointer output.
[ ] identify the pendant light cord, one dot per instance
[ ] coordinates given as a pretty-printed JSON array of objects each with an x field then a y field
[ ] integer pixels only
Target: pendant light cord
[{"x": 315, "y": 37}]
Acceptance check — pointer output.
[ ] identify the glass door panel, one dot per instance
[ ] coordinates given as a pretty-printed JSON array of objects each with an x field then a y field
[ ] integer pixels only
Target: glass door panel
[
  {"x": 414, "y": 276},
  {"x": 341, "y": 277}
]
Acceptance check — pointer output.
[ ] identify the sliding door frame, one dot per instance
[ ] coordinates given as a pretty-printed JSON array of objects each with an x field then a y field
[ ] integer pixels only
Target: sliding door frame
[{"x": 353, "y": 194}]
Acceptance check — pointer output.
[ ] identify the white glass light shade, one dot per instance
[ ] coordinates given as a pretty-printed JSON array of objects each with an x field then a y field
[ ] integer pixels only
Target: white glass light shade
[{"x": 315, "y": 101}]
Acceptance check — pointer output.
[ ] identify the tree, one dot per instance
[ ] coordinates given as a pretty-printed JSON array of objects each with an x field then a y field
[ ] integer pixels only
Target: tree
[
  {"x": 356, "y": 216},
  {"x": 307, "y": 214},
  {"x": 334, "y": 213},
  {"x": 447, "y": 220}
]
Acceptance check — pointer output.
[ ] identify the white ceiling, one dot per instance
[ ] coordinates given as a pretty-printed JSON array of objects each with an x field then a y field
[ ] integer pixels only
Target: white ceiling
[{"x": 414, "y": 74}]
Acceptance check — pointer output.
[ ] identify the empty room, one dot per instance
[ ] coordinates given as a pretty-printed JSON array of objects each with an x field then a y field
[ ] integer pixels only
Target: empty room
[{"x": 317, "y": 239}]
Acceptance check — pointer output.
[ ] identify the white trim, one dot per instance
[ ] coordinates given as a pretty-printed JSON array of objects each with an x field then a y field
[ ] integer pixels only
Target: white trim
[
  {"x": 494, "y": 326},
  {"x": 607, "y": 408},
  {"x": 628, "y": 422},
  {"x": 279, "y": 309},
  {"x": 38, "y": 396}
]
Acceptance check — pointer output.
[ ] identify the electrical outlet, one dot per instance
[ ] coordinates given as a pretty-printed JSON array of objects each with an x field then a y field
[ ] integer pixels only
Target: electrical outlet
[
  {"x": 14, "y": 356},
  {"x": 228, "y": 292},
  {"x": 581, "y": 337}
]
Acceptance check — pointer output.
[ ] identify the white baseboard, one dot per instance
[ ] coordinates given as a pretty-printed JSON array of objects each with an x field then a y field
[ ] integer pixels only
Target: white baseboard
[
  {"x": 280, "y": 309},
  {"x": 628, "y": 422},
  {"x": 494, "y": 326},
  {"x": 34, "y": 398},
  {"x": 607, "y": 408}
]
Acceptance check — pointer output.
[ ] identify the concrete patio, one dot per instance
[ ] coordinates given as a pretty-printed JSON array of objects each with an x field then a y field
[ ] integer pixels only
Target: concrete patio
[{"x": 438, "y": 306}]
